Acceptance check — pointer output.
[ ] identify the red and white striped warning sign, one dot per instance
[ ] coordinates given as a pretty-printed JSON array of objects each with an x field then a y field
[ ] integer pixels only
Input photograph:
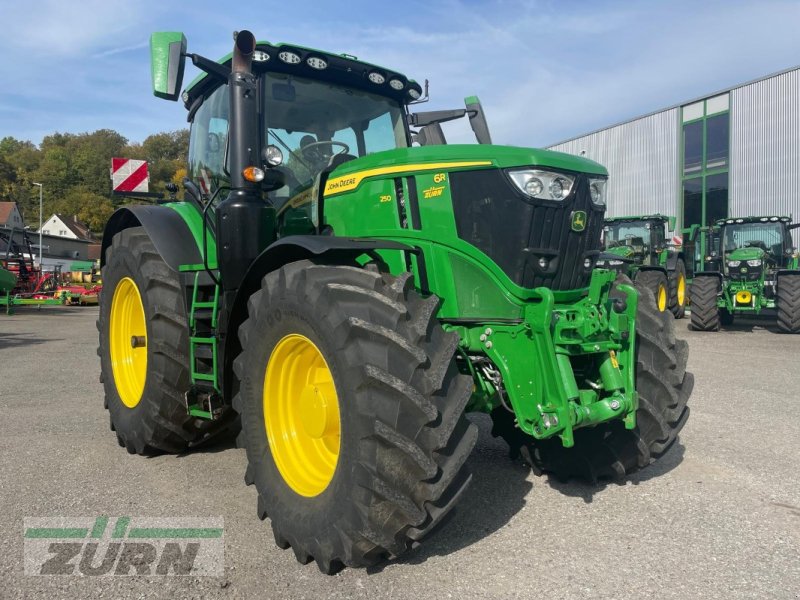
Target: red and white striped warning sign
[
  {"x": 205, "y": 181},
  {"x": 129, "y": 175}
]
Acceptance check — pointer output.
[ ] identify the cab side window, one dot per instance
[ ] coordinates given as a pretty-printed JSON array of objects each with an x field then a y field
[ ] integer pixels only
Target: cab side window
[{"x": 209, "y": 143}]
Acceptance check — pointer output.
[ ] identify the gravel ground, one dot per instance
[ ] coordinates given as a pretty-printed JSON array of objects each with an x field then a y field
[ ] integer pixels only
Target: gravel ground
[{"x": 718, "y": 517}]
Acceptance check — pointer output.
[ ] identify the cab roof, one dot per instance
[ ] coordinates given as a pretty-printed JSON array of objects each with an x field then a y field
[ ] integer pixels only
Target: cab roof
[
  {"x": 655, "y": 217},
  {"x": 759, "y": 219},
  {"x": 292, "y": 59}
]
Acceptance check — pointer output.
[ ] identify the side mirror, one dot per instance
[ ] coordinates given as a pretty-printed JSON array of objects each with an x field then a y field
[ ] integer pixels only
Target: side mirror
[
  {"x": 431, "y": 135},
  {"x": 477, "y": 120},
  {"x": 434, "y": 117},
  {"x": 167, "y": 50},
  {"x": 671, "y": 222}
]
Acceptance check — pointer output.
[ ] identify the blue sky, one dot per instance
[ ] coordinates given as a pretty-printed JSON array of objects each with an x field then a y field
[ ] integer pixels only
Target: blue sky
[{"x": 544, "y": 70}]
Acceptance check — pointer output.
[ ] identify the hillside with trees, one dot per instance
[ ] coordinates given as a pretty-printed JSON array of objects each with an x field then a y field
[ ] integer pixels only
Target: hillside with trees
[{"x": 75, "y": 171}]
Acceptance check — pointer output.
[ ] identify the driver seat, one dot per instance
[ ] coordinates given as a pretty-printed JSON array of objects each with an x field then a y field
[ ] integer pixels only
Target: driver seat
[{"x": 339, "y": 159}]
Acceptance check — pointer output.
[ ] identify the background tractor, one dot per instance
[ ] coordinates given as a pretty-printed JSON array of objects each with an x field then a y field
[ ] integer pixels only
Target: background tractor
[
  {"x": 751, "y": 265},
  {"x": 640, "y": 248},
  {"x": 344, "y": 295}
]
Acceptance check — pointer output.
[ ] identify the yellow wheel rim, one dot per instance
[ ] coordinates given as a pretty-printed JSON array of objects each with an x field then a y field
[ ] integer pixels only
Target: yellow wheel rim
[
  {"x": 128, "y": 342},
  {"x": 301, "y": 415},
  {"x": 662, "y": 297},
  {"x": 681, "y": 289}
]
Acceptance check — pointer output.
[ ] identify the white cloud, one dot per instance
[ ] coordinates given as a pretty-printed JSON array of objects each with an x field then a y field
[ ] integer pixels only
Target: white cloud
[
  {"x": 54, "y": 28},
  {"x": 544, "y": 70}
]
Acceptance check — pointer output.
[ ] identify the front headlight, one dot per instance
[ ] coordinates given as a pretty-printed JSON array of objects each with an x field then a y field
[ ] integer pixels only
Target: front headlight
[
  {"x": 734, "y": 263},
  {"x": 597, "y": 190},
  {"x": 754, "y": 263},
  {"x": 544, "y": 185}
]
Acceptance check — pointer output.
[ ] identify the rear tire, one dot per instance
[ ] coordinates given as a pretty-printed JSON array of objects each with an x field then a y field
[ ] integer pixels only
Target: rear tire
[
  {"x": 399, "y": 465},
  {"x": 609, "y": 451},
  {"x": 677, "y": 290},
  {"x": 158, "y": 421},
  {"x": 788, "y": 303},
  {"x": 705, "y": 313},
  {"x": 655, "y": 283}
]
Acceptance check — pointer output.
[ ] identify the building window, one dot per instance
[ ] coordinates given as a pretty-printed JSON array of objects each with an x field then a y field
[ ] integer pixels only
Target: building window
[
  {"x": 717, "y": 137},
  {"x": 692, "y": 200},
  {"x": 693, "y": 147},
  {"x": 716, "y": 190},
  {"x": 705, "y": 153}
]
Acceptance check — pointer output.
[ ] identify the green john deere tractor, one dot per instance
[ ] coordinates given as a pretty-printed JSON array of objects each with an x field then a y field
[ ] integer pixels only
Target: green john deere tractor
[
  {"x": 344, "y": 296},
  {"x": 751, "y": 266},
  {"x": 639, "y": 248}
]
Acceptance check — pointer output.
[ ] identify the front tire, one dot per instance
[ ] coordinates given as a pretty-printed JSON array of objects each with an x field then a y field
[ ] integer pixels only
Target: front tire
[
  {"x": 609, "y": 451},
  {"x": 788, "y": 303},
  {"x": 144, "y": 350},
  {"x": 677, "y": 290},
  {"x": 705, "y": 312},
  {"x": 654, "y": 283},
  {"x": 391, "y": 460}
]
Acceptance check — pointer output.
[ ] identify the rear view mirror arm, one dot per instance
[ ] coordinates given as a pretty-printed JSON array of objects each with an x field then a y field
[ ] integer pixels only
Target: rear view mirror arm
[{"x": 211, "y": 67}]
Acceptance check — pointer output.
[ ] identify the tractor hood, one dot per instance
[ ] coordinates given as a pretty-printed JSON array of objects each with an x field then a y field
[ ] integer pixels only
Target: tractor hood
[
  {"x": 471, "y": 155},
  {"x": 622, "y": 251},
  {"x": 746, "y": 254}
]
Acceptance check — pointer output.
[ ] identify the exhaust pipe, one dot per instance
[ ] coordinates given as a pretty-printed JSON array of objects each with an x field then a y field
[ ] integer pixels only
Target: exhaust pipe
[
  {"x": 244, "y": 44},
  {"x": 245, "y": 223}
]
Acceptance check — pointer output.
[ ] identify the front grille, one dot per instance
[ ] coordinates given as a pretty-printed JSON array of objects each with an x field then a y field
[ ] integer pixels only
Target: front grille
[
  {"x": 516, "y": 231},
  {"x": 745, "y": 272}
]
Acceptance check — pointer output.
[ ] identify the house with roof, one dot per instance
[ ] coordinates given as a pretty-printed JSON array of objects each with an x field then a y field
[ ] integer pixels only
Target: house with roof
[
  {"x": 10, "y": 216},
  {"x": 68, "y": 227}
]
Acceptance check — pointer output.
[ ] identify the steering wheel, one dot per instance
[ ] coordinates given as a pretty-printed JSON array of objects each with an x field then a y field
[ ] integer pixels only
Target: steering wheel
[
  {"x": 756, "y": 244},
  {"x": 312, "y": 153}
]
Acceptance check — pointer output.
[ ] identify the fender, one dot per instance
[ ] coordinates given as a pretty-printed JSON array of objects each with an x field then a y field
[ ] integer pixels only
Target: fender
[
  {"x": 672, "y": 260},
  {"x": 786, "y": 272},
  {"x": 336, "y": 250},
  {"x": 167, "y": 229},
  {"x": 716, "y": 274},
  {"x": 659, "y": 268}
]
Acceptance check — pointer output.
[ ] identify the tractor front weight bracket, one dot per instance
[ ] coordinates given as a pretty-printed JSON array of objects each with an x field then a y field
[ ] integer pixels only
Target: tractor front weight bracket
[{"x": 568, "y": 364}]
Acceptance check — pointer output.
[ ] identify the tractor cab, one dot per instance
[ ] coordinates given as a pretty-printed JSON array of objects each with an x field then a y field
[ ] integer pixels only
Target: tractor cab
[
  {"x": 317, "y": 125},
  {"x": 640, "y": 239},
  {"x": 751, "y": 244},
  {"x": 316, "y": 111}
]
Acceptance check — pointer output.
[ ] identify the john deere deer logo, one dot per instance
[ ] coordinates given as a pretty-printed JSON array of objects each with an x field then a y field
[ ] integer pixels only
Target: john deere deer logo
[{"x": 578, "y": 220}]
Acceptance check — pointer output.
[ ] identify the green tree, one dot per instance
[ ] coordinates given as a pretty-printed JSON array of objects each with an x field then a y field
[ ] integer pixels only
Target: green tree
[
  {"x": 75, "y": 171},
  {"x": 8, "y": 177},
  {"x": 91, "y": 158},
  {"x": 91, "y": 208}
]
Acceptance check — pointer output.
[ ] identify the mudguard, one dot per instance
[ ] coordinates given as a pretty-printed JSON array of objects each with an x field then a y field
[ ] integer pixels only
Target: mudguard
[
  {"x": 672, "y": 260},
  {"x": 716, "y": 274},
  {"x": 168, "y": 231},
  {"x": 787, "y": 272}
]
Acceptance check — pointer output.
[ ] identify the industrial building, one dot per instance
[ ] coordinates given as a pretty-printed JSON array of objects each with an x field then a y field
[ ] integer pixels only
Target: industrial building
[{"x": 732, "y": 153}]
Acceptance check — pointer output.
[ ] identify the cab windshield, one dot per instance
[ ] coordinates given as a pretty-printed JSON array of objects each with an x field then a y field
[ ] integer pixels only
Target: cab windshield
[
  {"x": 767, "y": 236},
  {"x": 626, "y": 233},
  {"x": 318, "y": 124}
]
